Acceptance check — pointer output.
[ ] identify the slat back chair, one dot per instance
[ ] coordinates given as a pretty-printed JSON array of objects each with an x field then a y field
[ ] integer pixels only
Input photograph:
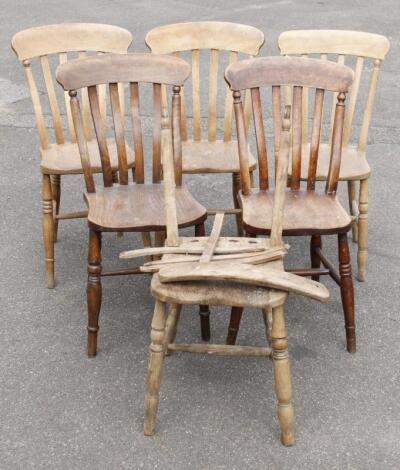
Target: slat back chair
[
  {"x": 124, "y": 206},
  {"x": 308, "y": 210},
  {"x": 61, "y": 156},
  {"x": 365, "y": 52},
  {"x": 209, "y": 153},
  {"x": 226, "y": 272}
]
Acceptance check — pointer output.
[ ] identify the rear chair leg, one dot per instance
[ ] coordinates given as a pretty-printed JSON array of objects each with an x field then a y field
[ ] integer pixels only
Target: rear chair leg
[
  {"x": 363, "y": 231},
  {"x": 283, "y": 386},
  {"x": 155, "y": 368},
  {"x": 48, "y": 229},
  {"x": 315, "y": 261},
  {"x": 233, "y": 329},
  {"x": 56, "y": 191},
  {"x": 93, "y": 290},
  {"x": 346, "y": 290},
  {"x": 236, "y": 205},
  {"x": 204, "y": 310},
  {"x": 352, "y": 191}
]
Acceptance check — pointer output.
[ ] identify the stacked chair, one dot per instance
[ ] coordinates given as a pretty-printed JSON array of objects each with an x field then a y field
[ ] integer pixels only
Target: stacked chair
[{"x": 238, "y": 272}]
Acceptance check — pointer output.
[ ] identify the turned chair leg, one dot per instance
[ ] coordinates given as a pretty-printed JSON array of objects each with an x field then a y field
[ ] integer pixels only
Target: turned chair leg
[
  {"x": 234, "y": 322},
  {"x": 56, "y": 191},
  {"x": 171, "y": 326},
  {"x": 346, "y": 290},
  {"x": 352, "y": 192},
  {"x": 283, "y": 386},
  {"x": 155, "y": 368},
  {"x": 93, "y": 290},
  {"x": 204, "y": 310},
  {"x": 48, "y": 229},
  {"x": 236, "y": 205},
  {"x": 363, "y": 231},
  {"x": 315, "y": 243}
]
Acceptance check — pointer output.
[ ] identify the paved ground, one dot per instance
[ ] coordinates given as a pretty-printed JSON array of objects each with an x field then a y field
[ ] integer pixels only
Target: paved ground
[{"x": 60, "y": 410}]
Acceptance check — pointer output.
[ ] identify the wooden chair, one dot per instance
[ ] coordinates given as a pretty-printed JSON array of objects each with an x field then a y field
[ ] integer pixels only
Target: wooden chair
[
  {"x": 308, "y": 211},
  {"x": 210, "y": 153},
  {"x": 364, "y": 47},
  {"x": 123, "y": 207},
  {"x": 61, "y": 157},
  {"x": 223, "y": 271}
]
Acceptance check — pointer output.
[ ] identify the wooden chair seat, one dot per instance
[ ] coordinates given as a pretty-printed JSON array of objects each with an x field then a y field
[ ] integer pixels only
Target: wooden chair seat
[
  {"x": 353, "y": 166},
  {"x": 217, "y": 293},
  {"x": 64, "y": 159},
  {"x": 139, "y": 207},
  {"x": 212, "y": 157},
  {"x": 306, "y": 213}
]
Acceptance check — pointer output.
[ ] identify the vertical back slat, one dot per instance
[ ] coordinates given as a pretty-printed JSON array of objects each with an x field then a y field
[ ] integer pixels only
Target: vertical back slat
[
  {"x": 176, "y": 135},
  {"x": 183, "y": 109},
  {"x": 51, "y": 94},
  {"x": 353, "y": 100},
  {"x": 118, "y": 119},
  {"x": 233, "y": 56},
  {"x": 277, "y": 120},
  {"x": 85, "y": 106},
  {"x": 296, "y": 137},
  {"x": 102, "y": 93},
  {"x": 247, "y": 111},
  {"x": 137, "y": 133},
  {"x": 63, "y": 58},
  {"x": 340, "y": 60},
  {"x": 100, "y": 130},
  {"x": 336, "y": 147},
  {"x": 362, "y": 142},
  {"x": 242, "y": 144},
  {"x": 196, "y": 95},
  {"x": 212, "y": 96},
  {"x": 37, "y": 107},
  {"x": 315, "y": 138},
  {"x": 260, "y": 138},
  {"x": 157, "y": 172},
  {"x": 304, "y": 120},
  {"x": 82, "y": 143},
  {"x": 121, "y": 97}
]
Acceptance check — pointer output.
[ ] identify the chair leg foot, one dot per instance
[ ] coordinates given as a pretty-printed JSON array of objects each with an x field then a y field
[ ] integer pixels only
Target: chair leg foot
[
  {"x": 155, "y": 369},
  {"x": 283, "y": 386},
  {"x": 93, "y": 291},
  {"x": 234, "y": 322},
  {"x": 316, "y": 242},
  {"x": 48, "y": 229},
  {"x": 363, "y": 231},
  {"x": 347, "y": 292}
]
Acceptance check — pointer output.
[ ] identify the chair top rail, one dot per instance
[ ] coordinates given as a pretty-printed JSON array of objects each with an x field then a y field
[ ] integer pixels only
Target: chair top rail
[{"x": 70, "y": 37}]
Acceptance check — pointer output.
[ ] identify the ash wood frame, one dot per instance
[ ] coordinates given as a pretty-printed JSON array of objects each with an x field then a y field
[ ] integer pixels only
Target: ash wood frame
[
  {"x": 111, "y": 71},
  {"x": 299, "y": 73},
  {"x": 363, "y": 46},
  {"x": 38, "y": 44}
]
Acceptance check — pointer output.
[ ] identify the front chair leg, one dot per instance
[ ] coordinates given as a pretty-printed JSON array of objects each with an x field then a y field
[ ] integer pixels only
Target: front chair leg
[
  {"x": 48, "y": 229},
  {"x": 236, "y": 205},
  {"x": 363, "y": 231},
  {"x": 346, "y": 290},
  {"x": 204, "y": 310},
  {"x": 315, "y": 260},
  {"x": 352, "y": 192},
  {"x": 93, "y": 290},
  {"x": 234, "y": 322},
  {"x": 56, "y": 191},
  {"x": 283, "y": 386},
  {"x": 155, "y": 368}
]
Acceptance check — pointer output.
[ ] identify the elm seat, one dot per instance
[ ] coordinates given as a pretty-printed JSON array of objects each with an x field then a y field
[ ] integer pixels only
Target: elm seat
[
  {"x": 353, "y": 166},
  {"x": 306, "y": 213},
  {"x": 139, "y": 207},
  {"x": 212, "y": 157},
  {"x": 62, "y": 159}
]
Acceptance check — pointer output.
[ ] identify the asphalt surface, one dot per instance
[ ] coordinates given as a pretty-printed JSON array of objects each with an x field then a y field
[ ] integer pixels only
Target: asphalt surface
[{"x": 59, "y": 409}]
